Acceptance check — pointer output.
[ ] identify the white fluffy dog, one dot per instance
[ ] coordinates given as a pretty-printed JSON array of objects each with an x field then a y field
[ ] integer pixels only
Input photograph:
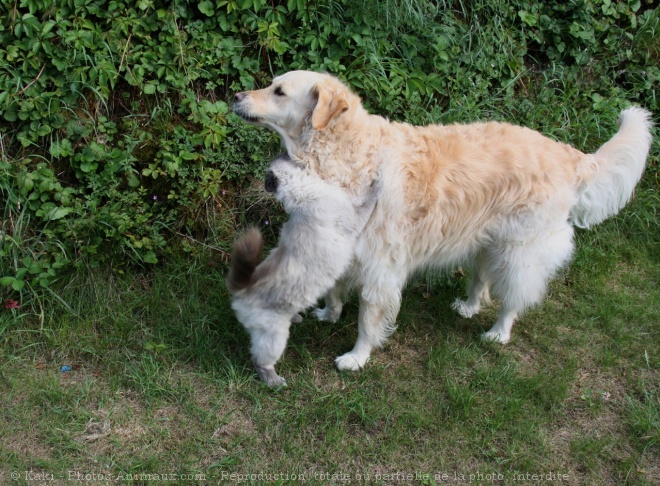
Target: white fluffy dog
[
  {"x": 316, "y": 247},
  {"x": 501, "y": 198}
]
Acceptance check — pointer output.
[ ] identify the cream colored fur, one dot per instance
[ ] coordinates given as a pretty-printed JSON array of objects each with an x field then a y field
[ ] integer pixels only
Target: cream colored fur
[
  {"x": 315, "y": 249},
  {"x": 498, "y": 197}
]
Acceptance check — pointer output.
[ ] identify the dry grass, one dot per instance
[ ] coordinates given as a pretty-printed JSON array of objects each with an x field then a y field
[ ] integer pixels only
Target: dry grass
[{"x": 161, "y": 383}]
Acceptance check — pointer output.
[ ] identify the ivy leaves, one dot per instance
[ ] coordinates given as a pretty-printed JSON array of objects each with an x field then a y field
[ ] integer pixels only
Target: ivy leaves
[{"x": 114, "y": 116}]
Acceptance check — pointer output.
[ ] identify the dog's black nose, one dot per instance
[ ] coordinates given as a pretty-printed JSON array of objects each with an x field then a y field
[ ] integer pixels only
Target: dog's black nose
[
  {"x": 239, "y": 97},
  {"x": 270, "y": 184}
]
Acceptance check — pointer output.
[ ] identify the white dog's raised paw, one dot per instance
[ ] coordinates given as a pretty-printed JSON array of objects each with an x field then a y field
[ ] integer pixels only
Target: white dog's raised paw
[
  {"x": 270, "y": 377},
  {"x": 465, "y": 310},
  {"x": 495, "y": 336},
  {"x": 351, "y": 362},
  {"x": 325, "y": 315}
]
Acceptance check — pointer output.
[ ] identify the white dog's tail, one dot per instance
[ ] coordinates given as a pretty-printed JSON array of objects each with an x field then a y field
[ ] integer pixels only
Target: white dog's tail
[
  {"x": 244, "y": 259},
  {"x": 608, "y": 181}
]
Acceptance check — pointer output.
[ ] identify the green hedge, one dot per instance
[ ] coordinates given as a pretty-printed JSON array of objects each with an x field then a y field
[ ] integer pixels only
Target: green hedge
[{"x": 116, "y": 134}]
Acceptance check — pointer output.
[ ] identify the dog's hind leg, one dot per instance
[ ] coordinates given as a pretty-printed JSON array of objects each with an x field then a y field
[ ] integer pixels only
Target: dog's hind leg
[
  {"x": 520, "y": 272},
  {"x": 501, "y": 330},
  {"x": 267, "y": 349},
  {"x": 376, "y": 321},
  {"x": 477, "y": 293}
]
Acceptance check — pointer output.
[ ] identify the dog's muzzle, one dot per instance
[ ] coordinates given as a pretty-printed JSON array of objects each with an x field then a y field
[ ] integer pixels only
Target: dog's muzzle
[
  {"x": 240, "y": 110},
  {"x": 271, "y": 182},
  {"x": 244, "y": 115}
]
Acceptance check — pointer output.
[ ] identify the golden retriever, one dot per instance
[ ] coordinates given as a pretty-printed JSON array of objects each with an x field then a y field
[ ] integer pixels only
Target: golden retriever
[{"x": 500, "y": 198}]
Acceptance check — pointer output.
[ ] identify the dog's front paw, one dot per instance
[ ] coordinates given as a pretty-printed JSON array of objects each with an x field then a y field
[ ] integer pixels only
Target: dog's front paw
[
  {"x": 270, "y": 377},
  {"x": 326, "y": 314},
  {"x": 464, "y": 309},
  {"x": 351, "y": 361}
]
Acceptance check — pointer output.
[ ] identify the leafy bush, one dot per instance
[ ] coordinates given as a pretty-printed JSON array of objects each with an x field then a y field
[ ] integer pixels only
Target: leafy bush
[{"x": 115, "y": 126}]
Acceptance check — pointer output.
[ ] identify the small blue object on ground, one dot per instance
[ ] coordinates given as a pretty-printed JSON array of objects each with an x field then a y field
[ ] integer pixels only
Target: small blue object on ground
[{"x": 65, "y": 368}]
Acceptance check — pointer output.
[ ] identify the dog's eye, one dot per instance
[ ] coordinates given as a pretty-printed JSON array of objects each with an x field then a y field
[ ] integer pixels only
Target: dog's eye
[{"x": 278, "y": 91}]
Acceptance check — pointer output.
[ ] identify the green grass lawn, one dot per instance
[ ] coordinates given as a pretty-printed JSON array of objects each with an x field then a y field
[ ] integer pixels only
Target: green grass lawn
[{"x": 161, "y": 382}]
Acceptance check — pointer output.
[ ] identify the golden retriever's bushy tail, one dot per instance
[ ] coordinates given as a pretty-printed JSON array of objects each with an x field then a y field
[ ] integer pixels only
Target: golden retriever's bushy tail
[
  {"x": 244, "y": 259},
  {"x": 614, "y": 170}
]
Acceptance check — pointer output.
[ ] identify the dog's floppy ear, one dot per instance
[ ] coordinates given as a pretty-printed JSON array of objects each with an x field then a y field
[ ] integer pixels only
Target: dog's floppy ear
[{"x": 329, "y": 104}]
